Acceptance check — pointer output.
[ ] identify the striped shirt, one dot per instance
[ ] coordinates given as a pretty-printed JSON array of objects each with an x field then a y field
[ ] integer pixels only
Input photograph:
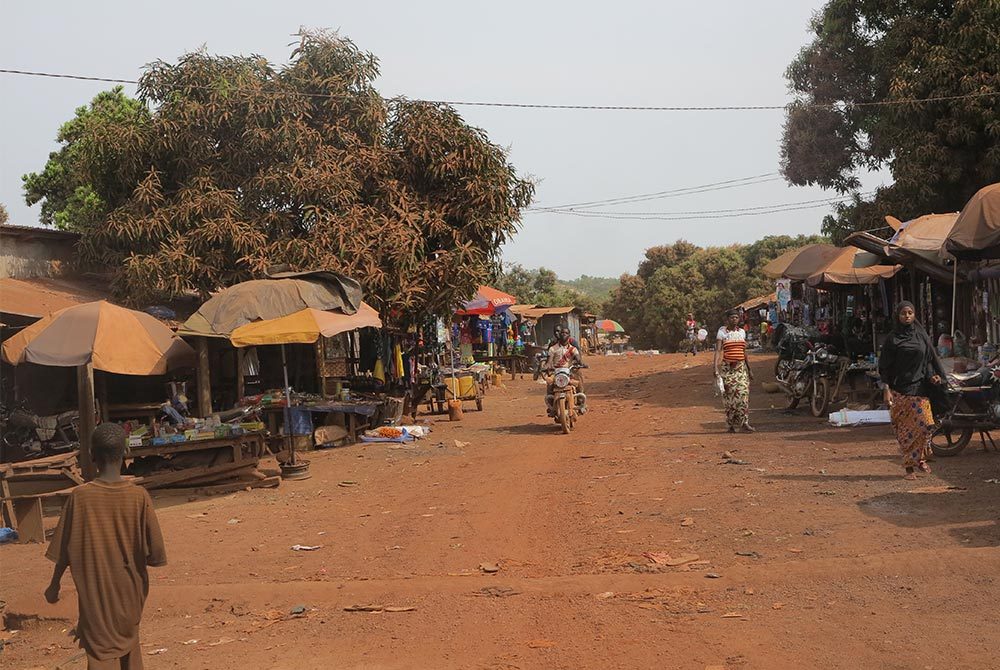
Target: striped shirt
[
  {"x": 108, "y": 535},
  {"x": 734, "y": 344}
]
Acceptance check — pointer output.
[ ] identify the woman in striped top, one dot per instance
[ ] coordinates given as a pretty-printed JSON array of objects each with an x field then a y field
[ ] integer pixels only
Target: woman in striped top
[{"x": 732, "y": 365}]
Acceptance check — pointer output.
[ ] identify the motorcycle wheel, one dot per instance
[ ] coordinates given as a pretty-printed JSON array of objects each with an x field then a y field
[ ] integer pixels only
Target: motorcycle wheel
[
  {"x": 820, "y": 398},
  {"x": 564, "y": 419},
  {"x": 947, "y": 441}
]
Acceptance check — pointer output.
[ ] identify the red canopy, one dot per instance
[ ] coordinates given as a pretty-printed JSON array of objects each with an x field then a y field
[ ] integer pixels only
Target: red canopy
[{"x": 488, "y": 301}]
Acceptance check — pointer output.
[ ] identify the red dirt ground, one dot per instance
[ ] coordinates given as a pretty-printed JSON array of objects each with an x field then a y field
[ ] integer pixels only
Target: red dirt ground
[{"x": 813, "y": 553}]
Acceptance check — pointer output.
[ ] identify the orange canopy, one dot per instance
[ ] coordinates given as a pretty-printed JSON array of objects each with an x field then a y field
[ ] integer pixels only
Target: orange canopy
[
  {"x": 976, "y": 234},
  {"x": 776, "y": 268},
  {"x": 117, "y": 340},
  {"x": 841, "y": 271},
  {"x": 304, "y": 327}
]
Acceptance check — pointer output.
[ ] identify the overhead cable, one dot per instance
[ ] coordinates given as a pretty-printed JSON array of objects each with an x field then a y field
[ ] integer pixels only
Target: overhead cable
[
  {"x": 829, "y": 200},
  {"x": 524, "y": 105},
  {"x": 706, "y": 214},
  {"x": 673, "y": 193}
]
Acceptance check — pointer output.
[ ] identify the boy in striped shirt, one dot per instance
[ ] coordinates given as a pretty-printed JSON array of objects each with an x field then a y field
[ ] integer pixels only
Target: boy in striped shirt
[{"x": 107, "y": 536}]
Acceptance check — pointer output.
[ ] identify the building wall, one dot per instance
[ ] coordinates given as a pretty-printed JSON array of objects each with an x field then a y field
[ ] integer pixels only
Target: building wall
[{"x": 29, "y": 256}]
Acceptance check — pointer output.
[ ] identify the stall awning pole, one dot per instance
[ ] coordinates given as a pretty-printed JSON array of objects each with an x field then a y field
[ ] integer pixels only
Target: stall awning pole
[
  {"x": 954, "y": 298},
  {"x": 288, "y": 409}
]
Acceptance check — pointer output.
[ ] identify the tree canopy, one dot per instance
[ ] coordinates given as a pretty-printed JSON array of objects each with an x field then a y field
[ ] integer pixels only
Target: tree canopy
[
  {"x": 675, "y": 279},
  {"x": 543, "y": 287},
  {"x": 3, "y": 215},
  {"x": 867, "y": 51},
  {"x": 241, "y": 165}
]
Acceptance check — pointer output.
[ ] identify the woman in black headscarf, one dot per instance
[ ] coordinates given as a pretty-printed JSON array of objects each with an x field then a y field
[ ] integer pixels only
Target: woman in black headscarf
[{"x": 909, "y": 366}]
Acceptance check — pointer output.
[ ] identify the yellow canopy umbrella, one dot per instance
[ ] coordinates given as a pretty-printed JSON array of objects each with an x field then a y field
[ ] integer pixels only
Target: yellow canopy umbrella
[{"x": 304, "y": 327}]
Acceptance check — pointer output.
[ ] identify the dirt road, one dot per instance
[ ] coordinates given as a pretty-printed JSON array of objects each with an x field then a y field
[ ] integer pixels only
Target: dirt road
[{"x": 804, "y": 548}]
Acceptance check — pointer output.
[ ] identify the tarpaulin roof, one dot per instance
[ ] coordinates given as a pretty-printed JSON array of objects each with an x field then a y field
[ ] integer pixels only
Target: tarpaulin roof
[
  {"x": 976, "y": 233},
  {"x": 924, "y": 234},
  {"x": 304, "y": 327},
  {"x": 810, "y": 260},
  {"x": 114, "y": 339},
  {"x": 842, "y": 272},
  {"x": 265, "y": 299},
  {"x": 877, "y": 252}
]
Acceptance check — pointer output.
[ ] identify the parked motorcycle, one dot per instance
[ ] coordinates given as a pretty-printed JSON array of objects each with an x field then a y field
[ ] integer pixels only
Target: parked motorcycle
[
  {"x": 809, "y": 378},
  {"x": 566, "y": 398},
  {"x": 26, "y": 435},
  {"x": 792, "y": 344},
  {"x": 973, "y": 405}
]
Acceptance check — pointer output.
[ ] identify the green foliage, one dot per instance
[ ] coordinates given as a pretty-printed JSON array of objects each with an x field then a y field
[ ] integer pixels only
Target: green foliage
[
  {"x": 241, "y": 166},
  {"x": 939, "y": 153},
  {"x": 598, "y": 288},
  {"x": 676, "y": 279},
  {"x": 91, "y": 173},
  {"x": 543, "y": 287}
]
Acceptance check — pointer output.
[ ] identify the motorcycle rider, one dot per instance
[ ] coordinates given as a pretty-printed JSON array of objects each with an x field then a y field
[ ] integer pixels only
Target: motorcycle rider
[{"x": 563, "y": 353}]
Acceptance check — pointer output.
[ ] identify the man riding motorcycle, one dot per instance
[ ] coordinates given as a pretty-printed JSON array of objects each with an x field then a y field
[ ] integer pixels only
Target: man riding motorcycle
[{"x": 563, "y": 353}]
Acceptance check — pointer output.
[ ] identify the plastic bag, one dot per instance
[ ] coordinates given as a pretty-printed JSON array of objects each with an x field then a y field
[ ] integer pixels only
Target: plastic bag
[{"x": 720, "y": 387}]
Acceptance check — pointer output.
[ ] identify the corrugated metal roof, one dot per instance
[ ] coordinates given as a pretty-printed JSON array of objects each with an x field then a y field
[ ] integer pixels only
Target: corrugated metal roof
[{"x": 41, "y": 296}]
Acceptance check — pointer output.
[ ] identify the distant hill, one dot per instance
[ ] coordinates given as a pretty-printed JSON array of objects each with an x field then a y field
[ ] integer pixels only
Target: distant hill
[{"x": 598, "y": 288}]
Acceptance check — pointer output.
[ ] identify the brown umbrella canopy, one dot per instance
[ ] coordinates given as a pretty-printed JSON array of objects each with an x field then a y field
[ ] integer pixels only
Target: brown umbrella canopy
[
  {"x": 842, "y": 271},
  {"x": 776, "y": 268},
  {"x": 115, "y": 339},
  {"x": 811, "y": 260},
  {"x": 265, "y": 299},
  {"x": 976, "y": 234}
]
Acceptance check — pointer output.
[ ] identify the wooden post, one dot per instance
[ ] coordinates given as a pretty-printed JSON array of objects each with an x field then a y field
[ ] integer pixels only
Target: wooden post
[
  {"x": 102, "y": 396},
  {"x": 319, "y": 352},
  {"x": 240, "y": 380},
  {"x": 85, "y": 398},
  {"x": 204, "y": 379}
]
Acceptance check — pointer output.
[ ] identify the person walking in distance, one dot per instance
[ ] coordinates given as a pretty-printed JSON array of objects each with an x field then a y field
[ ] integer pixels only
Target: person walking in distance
[
  {"x": 691, "y": 328},
  {"x": 909, "y": 366},
  {"x": 107, "y": 536},
  {"x": 733, "y": 367}
]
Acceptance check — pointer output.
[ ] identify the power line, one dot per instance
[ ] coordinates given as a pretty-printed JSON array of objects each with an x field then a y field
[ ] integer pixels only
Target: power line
[
  {"x": 705, "y": 214},
  {"x": 706, "y": 211},
  {"x": 523, "y": 105},
  {"x": 673, "y": 193}
]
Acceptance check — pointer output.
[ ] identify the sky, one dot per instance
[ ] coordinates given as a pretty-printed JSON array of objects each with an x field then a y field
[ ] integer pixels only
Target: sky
[{"x": 667, "y": 53}]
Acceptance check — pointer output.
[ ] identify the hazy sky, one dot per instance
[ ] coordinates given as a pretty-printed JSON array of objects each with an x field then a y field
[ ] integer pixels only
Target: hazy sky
[{"x": 596, "y": 53}]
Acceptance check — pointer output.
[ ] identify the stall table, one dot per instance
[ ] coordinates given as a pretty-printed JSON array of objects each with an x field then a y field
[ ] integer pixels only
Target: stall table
[
  {"x": 358, "y": 414},
  {"x": 514, "y": 363}
]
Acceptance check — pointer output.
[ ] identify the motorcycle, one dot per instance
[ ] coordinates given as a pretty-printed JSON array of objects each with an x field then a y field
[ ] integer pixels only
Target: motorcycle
[
  {"x": 792, "y": 344},
  {"x": 566, "y": 398},
  {"x": 809, "y": 378},
  {"x": 973, "y": 405},
  {"x": 26, "y": 435}
]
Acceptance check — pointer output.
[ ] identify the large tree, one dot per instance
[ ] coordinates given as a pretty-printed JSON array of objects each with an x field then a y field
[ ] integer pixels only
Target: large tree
[
  {"x": 675, "y": 279},
  {"x": 543, "y": 287},
  {"x": 872, "y": 51},
  {"x": 84, "y": 181},
  {"x": 241, "y": 165}
]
